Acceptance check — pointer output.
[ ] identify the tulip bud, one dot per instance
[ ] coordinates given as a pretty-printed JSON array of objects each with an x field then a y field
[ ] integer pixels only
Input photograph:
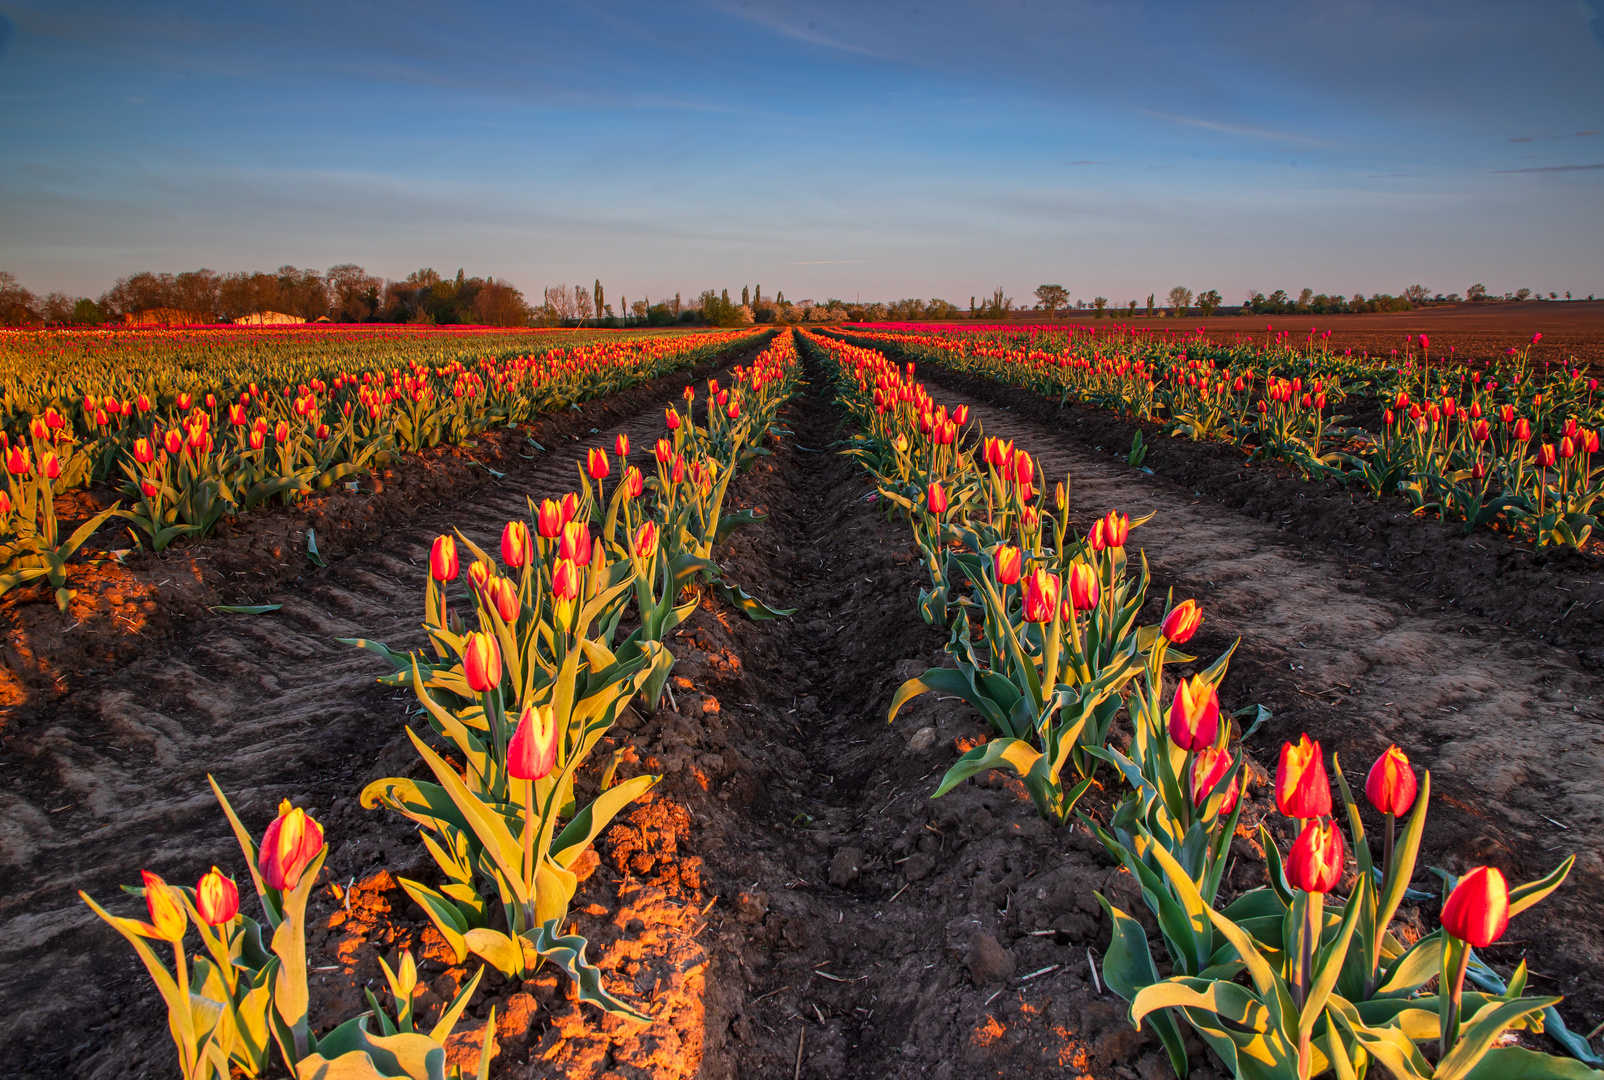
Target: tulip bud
[
  {"x": 1315, "y": 862},
  {"x": 634, "y": 482},
  {"x": 167, "y": 919},
  {"x": 1061, "y": 497},
  {"x": 144, "y": 453},
  {"x": 1041, "y": 596},
  {"x": 671, "y": 417},
  {"x": 149, "y": 488},
  {"x": 1195, "y": 714},
  {"x": 516, "y": 546},
  {"x": 663, "y": 451},
  {"x": 565, "y": 581},
  {"x": 1545, "y": 454},
  {"x": 1567, "y": 448},
  {"x": 504, "y": 595},
  {"x": 1116, "y": 529},
  {"x": 621, "y": 446},
  {"x": 1208, "y": 769},
  {"x": 936, "y": 499},
  {"x": 645, "y": 541},
  {"x": 1083, "y": 587},
  {"x": 532, "y": 751},
  {"x": 596, "y": 464},
  {"x": 1182, "y": 622},
  {"x": 570, "y": 505},
  {"x": 1523, "y": 429},
  {"x": 443, "y": 558},
  {"x": 575, "y": 543},
  {"x": 1390, "y": 787},
  {"x": 1024, "y": 470},
  {"x": 549, "y": 519},
  {"x": 1007, "y": 565},
  {"x": 1302, "y": 789},
  {"x": 481, "y": 662},
  {"x": 290, "y": 844},
  {"x": 50, "y": 465},
  {"x": 1477, "y": 911},
  {"x": 216, "y": 898}
]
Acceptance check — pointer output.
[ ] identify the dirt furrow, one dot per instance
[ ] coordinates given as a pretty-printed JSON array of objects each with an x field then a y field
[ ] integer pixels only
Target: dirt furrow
[
  {"x": 111, "y": 776},
  {"x": 1509, "y": 727}
]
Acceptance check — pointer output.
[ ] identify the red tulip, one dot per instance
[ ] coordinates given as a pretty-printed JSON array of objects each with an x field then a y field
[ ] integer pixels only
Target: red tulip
[
  {"x": 1315, "y": 862},
  {"x": 1083, "y": 587},
  {"x": 1523, "y": 429},
  {"x": 1006, "y": 564},
  {"x": 1390, "y": 787},
  {"x": 532, "y": 751},
  {"x": 1302, "y": 789},
  {"x": 549, "y": 519},
  {"x": 290, "y": 844},
  {"x": 167, "y": 919},
  {"x": 1024, "y": 469},
  {"x": 1195, "y": 714},
  {"x": 596, "y": 463},
  {"x": 1182, "y": 622},
  {"x": 671, "y": 417},
  {"x": 565, "y": 581},
  {"x": 936, "y": 499},
  {"x": 216, "y": 898},
  {"x": 570, "y": 505},
  {"x": 443, "y": 558},
  {"x": 634, "y": 482},
  {"x": 1041, "y": 596},
  {"x": 1208, "y": 768},
  {"x": 621, "y": 446},
  {"x": 144, "y": 453},
  {"x": 645, "y": 542},
  {"x": 575, "y": 543},
  {"x": 516, "y": 546},
  {"x": 149, "y": 488},
  {"x": 1477, "y": 911},
  {"x": 1536, "y": 338},
  {"x": 1425, "y": 342},
  {"x": 50, "y": 465},
  {"x": 504, "y": 594},
  {"x": 1545, "y": 454},
  {"x": 481, "y": 662},
  {"x": 663, "y": 451}
]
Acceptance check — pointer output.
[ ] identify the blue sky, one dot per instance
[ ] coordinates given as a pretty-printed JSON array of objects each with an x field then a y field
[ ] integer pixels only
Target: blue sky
[{"x": 826, "y": 149}]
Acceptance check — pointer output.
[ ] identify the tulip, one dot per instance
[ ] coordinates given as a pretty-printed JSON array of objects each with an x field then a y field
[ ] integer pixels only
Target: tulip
[
  {"x": 1095, "y": 539},
  {"x": 575, "y": 543},
  {"x": 290, "y": 844},
  {"x": 549, "y": 519},
  {"x": 1182, "y": 622},
  {"x": 1302, "y": 789},
  {"x": 216, "y": 898},
  {"x": 634, "y": 482},
  {"x": 621, "y": 446},
  {"x": 144, "y": 453},
  {"x": 663, "y": 451},
  {"x": 50, "y": 465},
  {"x": 671, "y": 417},
  {"x": 1390, "y": 787},
  {"x": 1024, "y": 470},
  {"x": 167, "y": 919},
  {"x": 1195, "y": 714},
  {"x": 149, "y": 488},
  {"x": 570, "y": 505},
  {"x": 565, "y": 586},
  {"x": 443, "y": 558},
  {"x": 1208, "y": 769},
  {"x": 936, "y": 499},
  {"x": 481, "y": 662},
  {"x": 5, "y": 503},
  {"x": 596, "y": 463},
  {"x": 1523, "y": 429},
  {"x": 1477, "y": 911},
  {"x": 1545, "y": 455},
  {"x": 1083, "y": 587},
  {"x": 1006, "y": 564},
  {"x": 1315, "y": 862},
  {"x": 645, "y": 542},
  {"x": 174, "y": 442},
  {"x": 504, "y": 595},
  {"x": 1041, "y": 596},
  {"x": 532, "y": 753},
  {"x": 516, "y": 546}
]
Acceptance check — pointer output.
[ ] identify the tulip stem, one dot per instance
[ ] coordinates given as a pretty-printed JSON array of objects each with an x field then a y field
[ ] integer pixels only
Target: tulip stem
[
  {"x": 529, "y": 852},
  {"x": 1450, "y": 1031}
]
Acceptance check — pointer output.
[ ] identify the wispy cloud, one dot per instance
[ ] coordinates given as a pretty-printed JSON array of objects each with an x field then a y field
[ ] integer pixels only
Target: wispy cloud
[
  {"x": 1230, "y": 129},
  {"x": 1551, "y": 168},
  {"x": 1552, "y": 138}
]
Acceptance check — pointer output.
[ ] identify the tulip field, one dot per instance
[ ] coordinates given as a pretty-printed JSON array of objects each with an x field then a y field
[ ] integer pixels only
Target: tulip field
[{"x": 874, "y": 701}]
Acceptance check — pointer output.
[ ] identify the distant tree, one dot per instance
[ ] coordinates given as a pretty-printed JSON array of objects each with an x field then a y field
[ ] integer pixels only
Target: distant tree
[
  {"x": 678, "y": 307},
  {"x": 16, "y": 302},
  {"x": 746, "y": 296},
  {"x": 1100, "y": 303},
  {"x": 1000, "y": 305},
  {"x": 1416, "y": 294},
  {"x": 1523, "y": 294},
  {"x": 1131, "y": 313},
  {"x": 1052, "y": 298},
  {"x": 56, "y": 309},
  {"x": 87, "y": 313},
  {"x": 600, "y": 299},
  {"x": 354, "y": 294},
  {"x": 1149, "y": 305},
  {"x": 1180, "y": 297},
  {"x": 1553, "y": 296},
  {"x": 1567, "y": 294},
  {"x": 639, "y": 309},
  {"x": 499, "y": 303},
  {"x": 584, "y": 302},
  {"x": 1305, "y": 299},
  {"x": 1209, "y": 301},
  {"x": 972, "y": 311},
  {"x": 1477, "y": 291}
]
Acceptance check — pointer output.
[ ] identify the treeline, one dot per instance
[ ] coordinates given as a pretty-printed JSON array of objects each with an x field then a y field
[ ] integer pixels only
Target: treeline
[{"x": 345, "y": 293}]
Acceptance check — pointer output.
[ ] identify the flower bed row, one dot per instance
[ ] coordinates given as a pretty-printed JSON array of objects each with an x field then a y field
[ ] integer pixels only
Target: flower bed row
[
  {"x": 526, "y": 670},
  {"x": 1511, "y": 446},
  {"x": 1046, "y": 644},
  {"x": 187, "y": 456}
]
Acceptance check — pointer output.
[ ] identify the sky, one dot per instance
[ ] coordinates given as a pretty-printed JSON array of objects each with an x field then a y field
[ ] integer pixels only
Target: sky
[{"x": 873, "y": 150}]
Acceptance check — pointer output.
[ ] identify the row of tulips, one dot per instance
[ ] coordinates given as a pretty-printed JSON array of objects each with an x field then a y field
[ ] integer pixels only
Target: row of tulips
[
  {"x": 1507, "y": 445},
  {"x": 525, "y": 671},
  {"x": 1276, "y": 984},
  {"x": 187, "y": 458}
]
